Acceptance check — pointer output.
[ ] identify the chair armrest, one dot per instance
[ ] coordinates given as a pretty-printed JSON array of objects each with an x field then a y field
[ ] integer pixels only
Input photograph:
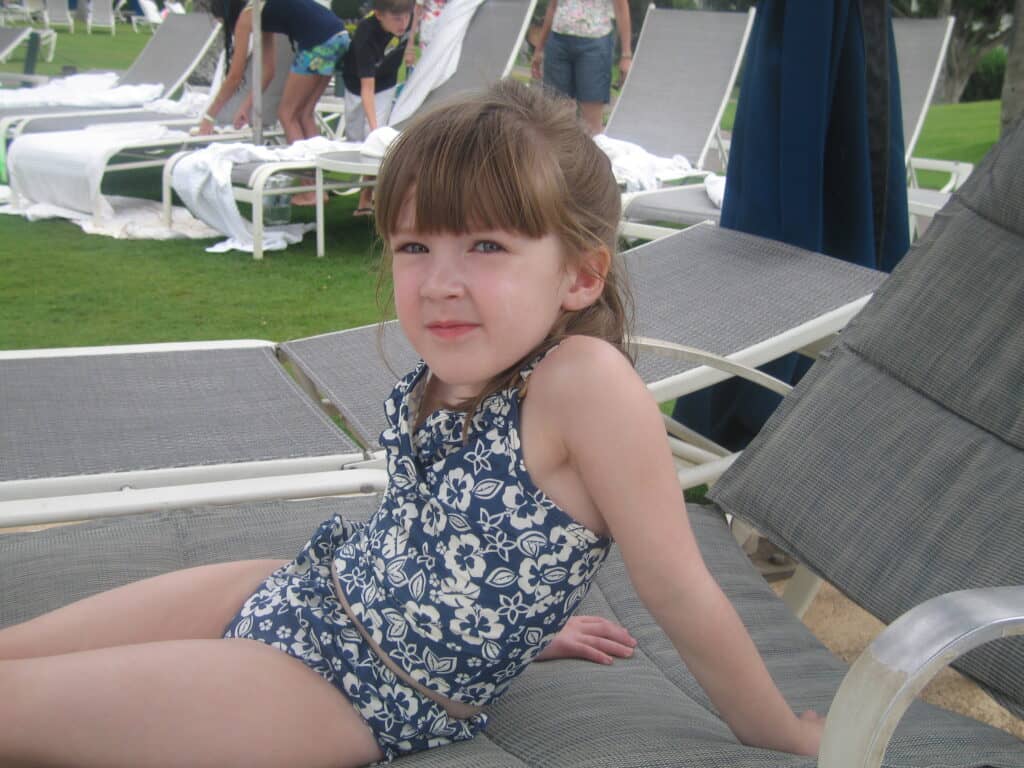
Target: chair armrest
[
  {"x": 884, "y": 680},
  {"x": 958, "y": 171},
  {"x": 710, "y": 359}
]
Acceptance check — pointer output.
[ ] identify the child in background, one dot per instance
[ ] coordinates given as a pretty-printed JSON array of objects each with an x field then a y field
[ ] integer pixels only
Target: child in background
[
  {"x": 320, "y": 40},
  {"x": 498, "y": 215},
  {"x": 424, "y": 22},
  {"x": 370, "y": 71}
]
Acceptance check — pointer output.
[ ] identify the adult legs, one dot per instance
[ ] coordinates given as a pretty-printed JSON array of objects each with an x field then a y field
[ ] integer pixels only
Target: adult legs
[
  {"x": 197, "y": 703},
  {"x": 187, "y": 604},
  {"x": 592, "y": 64},
  {"x": 592, "y": 113}
]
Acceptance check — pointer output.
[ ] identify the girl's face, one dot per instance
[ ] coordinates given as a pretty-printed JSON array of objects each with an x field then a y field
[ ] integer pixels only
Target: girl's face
[{"x": 474, "y": 304}]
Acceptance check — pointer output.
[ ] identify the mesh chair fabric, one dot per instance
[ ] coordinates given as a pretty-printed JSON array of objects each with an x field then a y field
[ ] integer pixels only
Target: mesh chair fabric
[
  {"x": 895, "y": 469},
  {"x": 645, "y": 711},
  {"x": 114, "y": 413}
]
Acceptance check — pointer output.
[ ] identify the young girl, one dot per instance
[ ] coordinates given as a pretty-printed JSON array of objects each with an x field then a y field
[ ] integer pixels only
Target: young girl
[
  {"x": 320, "y": 40},
  {"x": 384, "y": 638}
]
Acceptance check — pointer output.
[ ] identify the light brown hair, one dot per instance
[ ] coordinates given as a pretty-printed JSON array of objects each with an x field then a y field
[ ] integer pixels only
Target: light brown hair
[{"x": 512, "y": 158}]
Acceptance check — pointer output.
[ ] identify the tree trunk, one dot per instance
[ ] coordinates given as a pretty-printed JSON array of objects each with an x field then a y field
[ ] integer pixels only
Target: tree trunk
[{"x": 1013, "y": 82}]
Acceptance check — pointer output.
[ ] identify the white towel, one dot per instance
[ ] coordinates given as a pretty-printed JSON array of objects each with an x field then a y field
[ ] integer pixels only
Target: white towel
[
  {"x": 636, "y": 168},
  {"x": 715, "y": 186},
  {"x": 439, "y": 61},
  {"x": 202, "y": 180},
  {"x": 87, "y": 90},
  {"x": 64, "y": 168}
]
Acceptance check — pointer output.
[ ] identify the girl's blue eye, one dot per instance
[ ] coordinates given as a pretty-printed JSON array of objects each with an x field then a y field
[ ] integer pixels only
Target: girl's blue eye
[
  {"x": 411, "y": 248},
  {"x": 488, "y": 246}
]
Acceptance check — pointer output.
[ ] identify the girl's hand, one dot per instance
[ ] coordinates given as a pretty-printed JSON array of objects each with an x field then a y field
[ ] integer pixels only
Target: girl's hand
[
  {"x": 205, "y": 128},
  {"x": 811, "y": 727},
  {"x": 241, "y": 118},
  {"x": 410, "y": 55},
  {"x": 591, "y": 638}
]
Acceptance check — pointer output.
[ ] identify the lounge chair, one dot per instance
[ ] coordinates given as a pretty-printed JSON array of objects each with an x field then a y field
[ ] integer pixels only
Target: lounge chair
[
  {"x": 168, "y": 59},
  {"x": 26, "y": 11},
  {"x": 95, "y": 422},
  {"x": 492, "y": 41},
  {"x": 684, "y": 70},
  {"x": 58, "y": 14},
  {"x": 147, "y": 140},
  {"x": 10, "y": 39},
  {"x": 921, "y": 46},
  {"x": 895, "y": 469},
  {"x": 101, "y": 14},
  {"x": 150, "y": 16},
  {"x": 735, "y": 296}
]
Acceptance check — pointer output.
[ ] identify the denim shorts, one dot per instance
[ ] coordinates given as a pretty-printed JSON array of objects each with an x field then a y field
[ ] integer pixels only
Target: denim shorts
[
  {"x": 321, "y": 59},
  {"x": 297, "y": 611},
  {"x": 579, "y": 67}
]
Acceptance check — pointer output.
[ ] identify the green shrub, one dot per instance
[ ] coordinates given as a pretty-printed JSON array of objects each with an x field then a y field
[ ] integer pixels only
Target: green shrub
[{"x": 987, "y": 81}]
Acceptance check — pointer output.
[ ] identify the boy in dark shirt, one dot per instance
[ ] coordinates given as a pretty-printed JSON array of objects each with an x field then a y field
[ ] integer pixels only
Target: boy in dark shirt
[{"x": 370, "y": 71}]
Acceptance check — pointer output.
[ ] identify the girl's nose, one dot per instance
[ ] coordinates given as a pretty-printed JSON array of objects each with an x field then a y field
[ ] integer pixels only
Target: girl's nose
[{"x": 443, "y": 279}]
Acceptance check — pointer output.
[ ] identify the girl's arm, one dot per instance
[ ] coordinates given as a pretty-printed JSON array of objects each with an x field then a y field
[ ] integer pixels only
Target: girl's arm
[
  {"x": 615, "y": 441},
  {"x": 537, "y": 63},
  {"x": 368, "y": 94},
  {"x": 242, "y": 116},
  {"x": 236, "y": 71}
]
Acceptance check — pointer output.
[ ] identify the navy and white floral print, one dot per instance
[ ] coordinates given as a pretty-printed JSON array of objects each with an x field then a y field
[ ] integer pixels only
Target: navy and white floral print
[
  {"x": 467, "y": 570},
  {"x": 296, "y": 610},
  {"x": 463, "y": 575}
]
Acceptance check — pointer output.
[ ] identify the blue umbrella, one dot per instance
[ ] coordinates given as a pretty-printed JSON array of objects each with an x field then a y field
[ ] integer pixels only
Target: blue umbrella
[{"x": 816, "y": 161}]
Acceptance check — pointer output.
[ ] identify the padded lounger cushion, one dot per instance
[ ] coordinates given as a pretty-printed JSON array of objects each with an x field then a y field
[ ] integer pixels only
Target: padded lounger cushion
[{"x": 645, "y": 711}]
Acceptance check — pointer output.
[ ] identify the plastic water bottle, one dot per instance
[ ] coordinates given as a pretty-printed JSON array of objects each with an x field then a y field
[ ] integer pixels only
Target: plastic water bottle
[{"x": 277, "y": 208}]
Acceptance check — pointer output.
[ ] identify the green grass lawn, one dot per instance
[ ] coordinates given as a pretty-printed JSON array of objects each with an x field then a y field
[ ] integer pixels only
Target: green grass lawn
[{"x": 60, "y": 287}]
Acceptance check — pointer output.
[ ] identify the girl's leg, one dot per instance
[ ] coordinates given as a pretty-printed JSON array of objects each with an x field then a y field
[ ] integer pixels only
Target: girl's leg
[
  {"x": 197, "y": 703},
  {"x": 297, "y": 89},
  {"x": 191, "y": 603}
]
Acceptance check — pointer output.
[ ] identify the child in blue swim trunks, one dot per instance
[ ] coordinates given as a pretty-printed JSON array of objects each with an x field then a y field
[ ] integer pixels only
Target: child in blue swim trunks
[
  {"x": 387, "y": 637},
  {"x": 319, "y": 39}
]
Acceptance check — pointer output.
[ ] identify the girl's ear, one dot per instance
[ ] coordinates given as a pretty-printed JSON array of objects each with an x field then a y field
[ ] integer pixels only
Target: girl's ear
[{"x": 587, "y": 279}]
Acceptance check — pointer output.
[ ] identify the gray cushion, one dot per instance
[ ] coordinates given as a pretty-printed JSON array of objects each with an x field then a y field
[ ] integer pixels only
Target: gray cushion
[
  {"x": 645, "y": 711},
  {"x": 895, "y": 469}
]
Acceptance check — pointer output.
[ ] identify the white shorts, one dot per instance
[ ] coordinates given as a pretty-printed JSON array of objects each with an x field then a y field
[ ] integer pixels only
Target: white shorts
[{"x": 356, "y": 125}]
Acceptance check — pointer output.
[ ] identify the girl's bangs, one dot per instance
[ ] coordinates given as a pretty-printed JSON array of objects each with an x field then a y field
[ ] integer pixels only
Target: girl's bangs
[{"x": 469, "y": 177}]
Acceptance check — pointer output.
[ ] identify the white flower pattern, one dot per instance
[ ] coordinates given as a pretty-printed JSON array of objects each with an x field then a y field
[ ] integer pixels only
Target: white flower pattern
[{"x": 506, "y": 567}]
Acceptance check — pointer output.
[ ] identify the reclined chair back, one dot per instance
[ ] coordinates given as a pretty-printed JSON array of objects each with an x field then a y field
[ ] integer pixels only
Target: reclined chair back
[
  {"x": 684, "y": 67},
  {"x": 895, "y": 470},
  {"x": 489, "y": 48},
  {"x": 174, "y": 51},
  {"x": 921, "y": 46}
]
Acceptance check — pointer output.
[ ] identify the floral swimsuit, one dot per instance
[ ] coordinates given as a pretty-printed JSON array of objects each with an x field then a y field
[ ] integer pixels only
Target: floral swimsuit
[{"x": 462, "y": 576}]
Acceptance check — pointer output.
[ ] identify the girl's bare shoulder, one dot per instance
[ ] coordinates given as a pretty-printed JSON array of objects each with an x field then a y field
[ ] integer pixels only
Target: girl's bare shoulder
[{"x": 581, "y": 369}]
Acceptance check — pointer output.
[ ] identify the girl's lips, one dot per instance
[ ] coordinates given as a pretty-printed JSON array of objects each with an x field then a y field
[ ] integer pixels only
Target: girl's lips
[{"x": 451, "y": 330}]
